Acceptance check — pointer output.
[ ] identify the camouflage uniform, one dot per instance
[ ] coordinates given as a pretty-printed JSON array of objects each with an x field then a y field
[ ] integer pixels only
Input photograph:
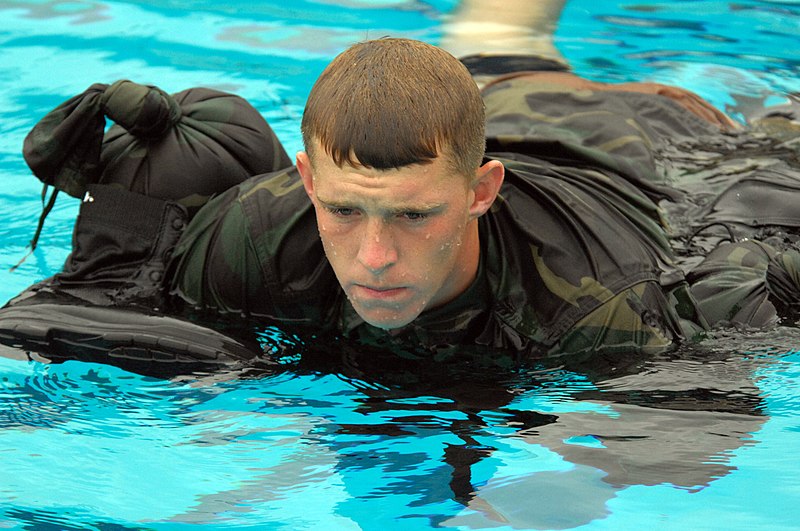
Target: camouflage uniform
[
  {"x": 712, "y": 184},
  {"x": 576, "y": 254},
  {"x": 579, "y": 254}
]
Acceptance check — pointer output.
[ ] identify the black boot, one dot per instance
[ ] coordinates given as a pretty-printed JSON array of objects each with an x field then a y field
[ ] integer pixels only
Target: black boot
[{"x": 140, "y": 183}]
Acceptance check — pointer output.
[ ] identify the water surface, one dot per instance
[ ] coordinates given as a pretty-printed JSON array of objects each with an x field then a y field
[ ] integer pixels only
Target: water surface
[{"x": 703, "y": 438}]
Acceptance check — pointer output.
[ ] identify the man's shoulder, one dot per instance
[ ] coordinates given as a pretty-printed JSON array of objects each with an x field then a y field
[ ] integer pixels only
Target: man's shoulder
[
  {"x": 262, "y": 208},
  {"x": 276, "y": 187},
  {"x": 256, "y": 250},
  {"x": 281, "y": 224},
  {"x": 563, "y": 241},
  {"x": 275, "y": 199}
]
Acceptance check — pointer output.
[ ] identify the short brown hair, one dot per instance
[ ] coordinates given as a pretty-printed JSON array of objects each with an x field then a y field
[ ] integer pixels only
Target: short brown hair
[{"x": 391, "y": 102}]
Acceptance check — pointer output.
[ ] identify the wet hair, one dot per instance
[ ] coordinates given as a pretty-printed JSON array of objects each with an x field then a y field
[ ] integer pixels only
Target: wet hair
[{"x": 392, "y": 102}]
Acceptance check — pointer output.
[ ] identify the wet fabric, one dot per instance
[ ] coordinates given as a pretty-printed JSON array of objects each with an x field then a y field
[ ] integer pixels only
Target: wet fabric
[
  {"x": 183, "y": 147},
  {"x": 712, "y": 184},
  {"x": 560, "y": 244},
  {"x": 503, "y": 64},
  {"x": 143, "y": 179},
  {"x": 121, "y": 244},
  {"x": 578, "y": 254},
  {"x": 624, "y": 132},
  {"x": 255, "y": 251},
  {"x": 748, "y": 283}
]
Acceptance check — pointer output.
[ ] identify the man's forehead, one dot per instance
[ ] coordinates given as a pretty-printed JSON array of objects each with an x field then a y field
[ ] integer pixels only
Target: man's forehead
[
  {"x": 391, "y": 191},
  {"x": 411, "y": 188},
  {"x": 321, "y": 158}
]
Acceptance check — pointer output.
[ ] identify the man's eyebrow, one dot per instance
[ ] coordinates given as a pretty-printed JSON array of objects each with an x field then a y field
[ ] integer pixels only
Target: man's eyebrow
[
  {"x": 333, "y": 203},
  {"x": 419, "y": 207},
  {"x": 398, "y": 209}
]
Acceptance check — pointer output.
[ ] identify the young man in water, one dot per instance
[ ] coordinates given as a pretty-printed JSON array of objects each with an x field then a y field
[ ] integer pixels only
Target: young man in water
[
  {"x": 393, "y": 198},
  {"x": 429, "y": 247},
  {"x": 393, "y": 229}
]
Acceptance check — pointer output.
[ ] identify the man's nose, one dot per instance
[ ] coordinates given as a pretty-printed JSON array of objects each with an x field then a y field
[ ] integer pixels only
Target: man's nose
[{"x": 377, "y": 249}]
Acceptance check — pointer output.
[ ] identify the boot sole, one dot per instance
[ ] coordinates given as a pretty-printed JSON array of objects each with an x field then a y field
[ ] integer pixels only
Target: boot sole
[{"x": 118, "y": 337}]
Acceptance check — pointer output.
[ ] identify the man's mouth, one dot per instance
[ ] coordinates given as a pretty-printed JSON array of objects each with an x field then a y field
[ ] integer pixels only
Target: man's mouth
[{"x": 381, "y": 293}]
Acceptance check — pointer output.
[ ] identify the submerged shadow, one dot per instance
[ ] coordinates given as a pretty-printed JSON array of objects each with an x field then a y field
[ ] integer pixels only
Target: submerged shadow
[{"x": 619, "y": 420}]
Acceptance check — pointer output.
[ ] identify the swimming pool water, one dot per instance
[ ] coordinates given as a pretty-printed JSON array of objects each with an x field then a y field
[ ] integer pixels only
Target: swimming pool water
[{"x": 701, "y": 439}]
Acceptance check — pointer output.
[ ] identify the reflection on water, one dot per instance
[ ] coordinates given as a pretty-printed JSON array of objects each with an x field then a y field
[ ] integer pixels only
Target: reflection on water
[
  {"x": 432, "y": 448},
  {"x": 77, "y": 12}
]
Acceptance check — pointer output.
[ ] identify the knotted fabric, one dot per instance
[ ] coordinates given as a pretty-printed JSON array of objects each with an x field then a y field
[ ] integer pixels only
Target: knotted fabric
[
  {"x": 184, "y": 148},
  {"x": 197, "y": 142}
]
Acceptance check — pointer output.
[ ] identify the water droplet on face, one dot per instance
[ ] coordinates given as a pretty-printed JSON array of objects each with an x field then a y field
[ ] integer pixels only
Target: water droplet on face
[{"x": 428, "y": 236}]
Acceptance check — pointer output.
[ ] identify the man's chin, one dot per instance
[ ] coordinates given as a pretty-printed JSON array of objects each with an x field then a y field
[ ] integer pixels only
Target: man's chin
[
  {"x": 389, "y": 324},
  {"x": 385, "y": 319}
]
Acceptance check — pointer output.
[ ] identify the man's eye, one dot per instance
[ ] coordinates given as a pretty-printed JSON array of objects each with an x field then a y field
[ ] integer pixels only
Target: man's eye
[
  {"x": 340, "y": 211},
  {"x": 415, "y": 216}
]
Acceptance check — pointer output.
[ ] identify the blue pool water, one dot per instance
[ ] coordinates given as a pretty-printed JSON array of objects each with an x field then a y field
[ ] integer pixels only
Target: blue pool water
[{"x": 703, "y": 439}]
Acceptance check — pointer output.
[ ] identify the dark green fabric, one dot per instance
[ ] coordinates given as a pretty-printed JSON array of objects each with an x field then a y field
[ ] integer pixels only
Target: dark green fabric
[
  {"x": 711, "y": 186},
  {"x": 577, "y": 254},
  {"x": 559, "y": 245},
  {"x": 120, "y": 248},
  {"x": 750, "y": 284},
  {"x": 746, "y": 182},
  {"x": 184, "y": 147},
  {"x": 143, "y": 179}
]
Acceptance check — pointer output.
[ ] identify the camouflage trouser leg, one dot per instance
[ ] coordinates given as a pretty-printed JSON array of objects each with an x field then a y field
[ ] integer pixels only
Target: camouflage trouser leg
[{"x": 748, "y": 284}]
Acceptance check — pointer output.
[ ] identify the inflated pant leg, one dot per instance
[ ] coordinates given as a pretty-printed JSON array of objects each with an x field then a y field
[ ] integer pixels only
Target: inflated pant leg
[
  {"x": 783, "y": 282},
  {"x": 120, "y": 246},
  {"x": 748, "y": 283},
  {"x": 730, "y": 285}
]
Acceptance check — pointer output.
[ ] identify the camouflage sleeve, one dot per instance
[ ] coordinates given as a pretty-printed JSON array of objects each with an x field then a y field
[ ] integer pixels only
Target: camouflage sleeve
[
  {"x": 642, "y": 318},
  {"x": 747, "y": 283},
  {"x": 215, "y": 266}
]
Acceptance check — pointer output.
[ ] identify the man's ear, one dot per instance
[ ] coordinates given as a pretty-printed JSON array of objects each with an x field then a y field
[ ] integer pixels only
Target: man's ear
[
  {"x": 303, "y": 163},
  {"x": 486, "y": 186}
]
